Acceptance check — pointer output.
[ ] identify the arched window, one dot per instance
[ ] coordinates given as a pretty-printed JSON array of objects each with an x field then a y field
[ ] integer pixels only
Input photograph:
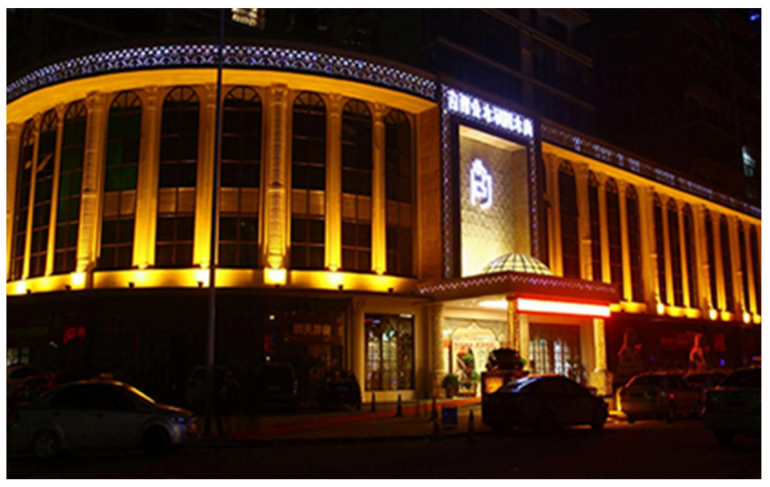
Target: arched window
[
  {"x": 757, "y": 271},
  {"x": 308, "y": 182},
  {"x": 356, "y": 187},
  {"x": 676, "y": 253},
  {"x": 178, "y": 167},
  {"x": 123, "y": 138},
  {"x": 613, "y": 227},
  {"x": 727, "y": 265},
  {"x": 660, "y": 248},
  {"x": 634, "y": 243},
  {"x": 744, "y": 266},
  {"x": 398, "y": 193},
  {"x": 20, "y": 214},
  {"x": 711, "y": 254},
  {"x": 692, "y": 265},
  {"x": 241, "y": 157},
  {"x": 70, "y": 182},
  {"x": 46, "y": 151},
  {"x": 570, "y": 245},
  {"x": 596, "y": 235}
]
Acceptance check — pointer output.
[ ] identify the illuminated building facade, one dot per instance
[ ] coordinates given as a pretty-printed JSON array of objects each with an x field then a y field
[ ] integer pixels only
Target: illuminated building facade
[{"x": 371, "y": 216}]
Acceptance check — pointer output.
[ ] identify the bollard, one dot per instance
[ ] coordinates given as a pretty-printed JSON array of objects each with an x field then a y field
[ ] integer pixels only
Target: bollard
[
  {"x": 434, "y": 410},
  {"x": 399, "y": 411},
  {"x": 374, "y": 406},
  {"x": 471, "y": 428},
  {"x": 436, "y": 429}
]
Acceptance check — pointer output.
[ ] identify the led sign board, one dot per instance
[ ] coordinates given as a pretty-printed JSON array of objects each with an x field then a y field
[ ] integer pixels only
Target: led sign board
[
  {"x": 474, "y": 108},
  {"x": 549, "y": 306}
]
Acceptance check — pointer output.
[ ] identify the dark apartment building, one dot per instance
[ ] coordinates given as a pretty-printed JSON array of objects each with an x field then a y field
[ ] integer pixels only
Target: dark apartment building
[{"x": 682, "y": 87}]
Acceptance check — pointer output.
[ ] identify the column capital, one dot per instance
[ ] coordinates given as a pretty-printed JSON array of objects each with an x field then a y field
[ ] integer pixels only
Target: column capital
[
  {"x": 94, "y": 100},
  {"x": 622, "y": 185},
  {"x": 278, "y": 91},
  {"x": 379, "y": 112},
  {"x": 61, "y": 110},
  {"x": 581, "y": 169},
  {"x": 211, "y": 94},
  {"x": 601, "y": 178},
  {"x": 13, "y": 130},
  {"x": 36, "y": 120},
  {"x": 335, "y": 104}
]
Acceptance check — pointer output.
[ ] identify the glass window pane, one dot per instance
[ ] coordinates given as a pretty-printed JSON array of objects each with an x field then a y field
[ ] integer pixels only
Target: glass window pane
[
  {"x": 316, "y": 231},
  {"x": 250, "y": 175},
  {"x": 109, "y": 231},
  {"x": 228, "y": 228},
  {"x": 128, "y": 178},
  {"x": 126, "y": 231},
  {"x": 230, "y": 173}
]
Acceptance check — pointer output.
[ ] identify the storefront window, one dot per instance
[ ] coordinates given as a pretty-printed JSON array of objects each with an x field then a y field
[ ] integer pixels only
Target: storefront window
[
  {"x": 23, "y": 182},
  {"x": 356, "y": 187},
  {"x": 555, "y": 349},
  {"x": 398, "y": 193},
  {"x": 389, "y": 352}
]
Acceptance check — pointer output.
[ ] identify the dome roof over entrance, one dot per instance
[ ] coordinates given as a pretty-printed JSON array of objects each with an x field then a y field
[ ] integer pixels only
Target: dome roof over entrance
[{"x": 526, "y": 264}]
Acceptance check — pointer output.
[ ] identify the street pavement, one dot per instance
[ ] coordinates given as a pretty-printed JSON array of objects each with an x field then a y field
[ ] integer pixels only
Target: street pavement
[{"x": 646, "y": 449}]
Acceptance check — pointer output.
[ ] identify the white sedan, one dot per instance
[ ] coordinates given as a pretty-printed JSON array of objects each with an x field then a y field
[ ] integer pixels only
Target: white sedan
[{"x": 98, "y": 414}]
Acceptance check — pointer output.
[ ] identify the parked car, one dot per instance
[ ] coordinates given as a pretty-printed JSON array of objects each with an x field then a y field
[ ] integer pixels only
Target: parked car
[
  {"x": 543, "y": 402},
  {"x": 226, "y": 387},
  {"x": 704, "y": 381},
  {"x": 735, "y": 406},
  {"x": 99, "y": 414},
  {"x": 276, "y": 385},
  {"x": 660, "y": 395},
  {"x": 340, "y": 388}
]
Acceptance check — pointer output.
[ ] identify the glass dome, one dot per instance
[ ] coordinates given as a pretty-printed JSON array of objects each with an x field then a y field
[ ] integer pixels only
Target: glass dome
[{"x": 526, "y": 264}]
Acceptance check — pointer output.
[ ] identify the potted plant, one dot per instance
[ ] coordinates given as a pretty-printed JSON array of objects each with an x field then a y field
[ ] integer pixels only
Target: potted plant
[{"x": 451, "y": 384}]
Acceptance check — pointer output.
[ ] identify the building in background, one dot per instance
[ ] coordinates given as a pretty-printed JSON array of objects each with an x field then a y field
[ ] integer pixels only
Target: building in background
[{"x": 397, "y": 221}]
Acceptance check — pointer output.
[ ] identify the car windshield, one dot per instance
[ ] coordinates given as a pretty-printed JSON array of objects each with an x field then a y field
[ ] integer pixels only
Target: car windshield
[
  {"x": 645, "y": 380},
  {"x": 744, "y": 378}
]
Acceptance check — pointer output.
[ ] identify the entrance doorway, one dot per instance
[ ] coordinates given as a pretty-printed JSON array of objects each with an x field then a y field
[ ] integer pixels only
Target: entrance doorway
[{"x": 555, "y": 349}]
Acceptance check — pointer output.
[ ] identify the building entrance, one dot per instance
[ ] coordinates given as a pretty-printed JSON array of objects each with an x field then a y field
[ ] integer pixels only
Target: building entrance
[{"x": 555, "y": 349}]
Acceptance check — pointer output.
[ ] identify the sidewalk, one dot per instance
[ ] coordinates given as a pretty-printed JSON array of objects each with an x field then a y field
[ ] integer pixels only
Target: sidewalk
[{"x": 347, "y": 425}]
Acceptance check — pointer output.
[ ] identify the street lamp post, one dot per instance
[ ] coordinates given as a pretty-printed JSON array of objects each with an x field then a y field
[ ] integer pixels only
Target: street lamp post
[{"x": 210, "y": 397}]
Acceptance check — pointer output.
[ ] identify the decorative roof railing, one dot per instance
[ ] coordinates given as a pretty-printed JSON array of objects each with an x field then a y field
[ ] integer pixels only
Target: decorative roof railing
[
  {"x": 564, "y": 137},
  {"x": 235, "y": 56}
]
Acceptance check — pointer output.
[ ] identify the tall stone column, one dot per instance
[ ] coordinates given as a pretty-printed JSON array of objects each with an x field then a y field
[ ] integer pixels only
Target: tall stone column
[
  {"x": 683, "y": 259},
  {"x": 93, "y": 170},
  {"x": 599, "y": 375},
  {"x": 435, "y": 312},
  {"x": 204, "y": 190},
  {"x": 624, "y": 244},
  {"x": 276, "y": 176},
  {"x": 61, "y": 110},
  {"x": 513, "y": 324},
  {"x": 752, "y": 304},
  {"x": 584, "y": 220},
  {"x": 558, "y": 263},
  {"x": 147, "y": 179},
  {"x": 720, "y": 302},
  {"x": 334, "y": 182},
  {"x": 358, "y": 342},
  {"x": 732, "y": 237},
  {"x": 12, "y": 147},
  {"x": 603, "y": 229},
  {"x": 649, "y": 253},
  {"x": 36, "y": 120},
  {"x": 669, "y": 297},
  {"x": 379, "y": 253}
]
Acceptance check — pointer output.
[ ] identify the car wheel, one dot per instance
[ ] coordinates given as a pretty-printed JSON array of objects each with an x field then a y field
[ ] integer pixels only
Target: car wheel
[
  {"x": 724, "y": 438},
  {"x": 546, "y": 423},
  {"x": 156, "y": 441},
  {"x": 599, "y": 418},
  {"x": 671, "y": 415},
  {"x": 46, "y": 445}
]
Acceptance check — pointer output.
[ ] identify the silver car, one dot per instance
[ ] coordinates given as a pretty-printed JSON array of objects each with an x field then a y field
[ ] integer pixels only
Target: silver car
[{"x": 98, "y": 414}]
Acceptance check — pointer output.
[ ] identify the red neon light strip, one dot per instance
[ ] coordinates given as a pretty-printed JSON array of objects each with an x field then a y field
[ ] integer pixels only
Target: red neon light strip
[{"x": 562, "y": 307}]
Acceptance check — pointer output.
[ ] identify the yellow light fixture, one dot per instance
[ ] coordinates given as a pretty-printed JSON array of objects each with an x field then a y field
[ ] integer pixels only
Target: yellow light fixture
[
  {"x": 78, "y": 279},
  {"x": 660, "y": 308},
  {"x": 275, "y": 277},
  {"x": 713, "y": 315},
  {"x": 746, "y": 318},
  {"x": 21, "y": 287}
]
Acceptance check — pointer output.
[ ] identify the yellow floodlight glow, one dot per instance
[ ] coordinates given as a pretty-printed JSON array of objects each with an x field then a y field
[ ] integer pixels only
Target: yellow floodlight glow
[
  {"x": 21, "y": 287},
  {"x": 275, "y": 277},
  {"x": 660, "y": 308},
  {"x": 496, "y": 304},
  {"x": 202, "y": 276},
  {"x": 757, "y": 319},
  {"x": 335, "y": 279},
  {"x": 78, "y": 279},
  {"x": 746, "y": 318},
  {"x": 548, "y": 306},
  {"x": 713, "y": 315}
]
